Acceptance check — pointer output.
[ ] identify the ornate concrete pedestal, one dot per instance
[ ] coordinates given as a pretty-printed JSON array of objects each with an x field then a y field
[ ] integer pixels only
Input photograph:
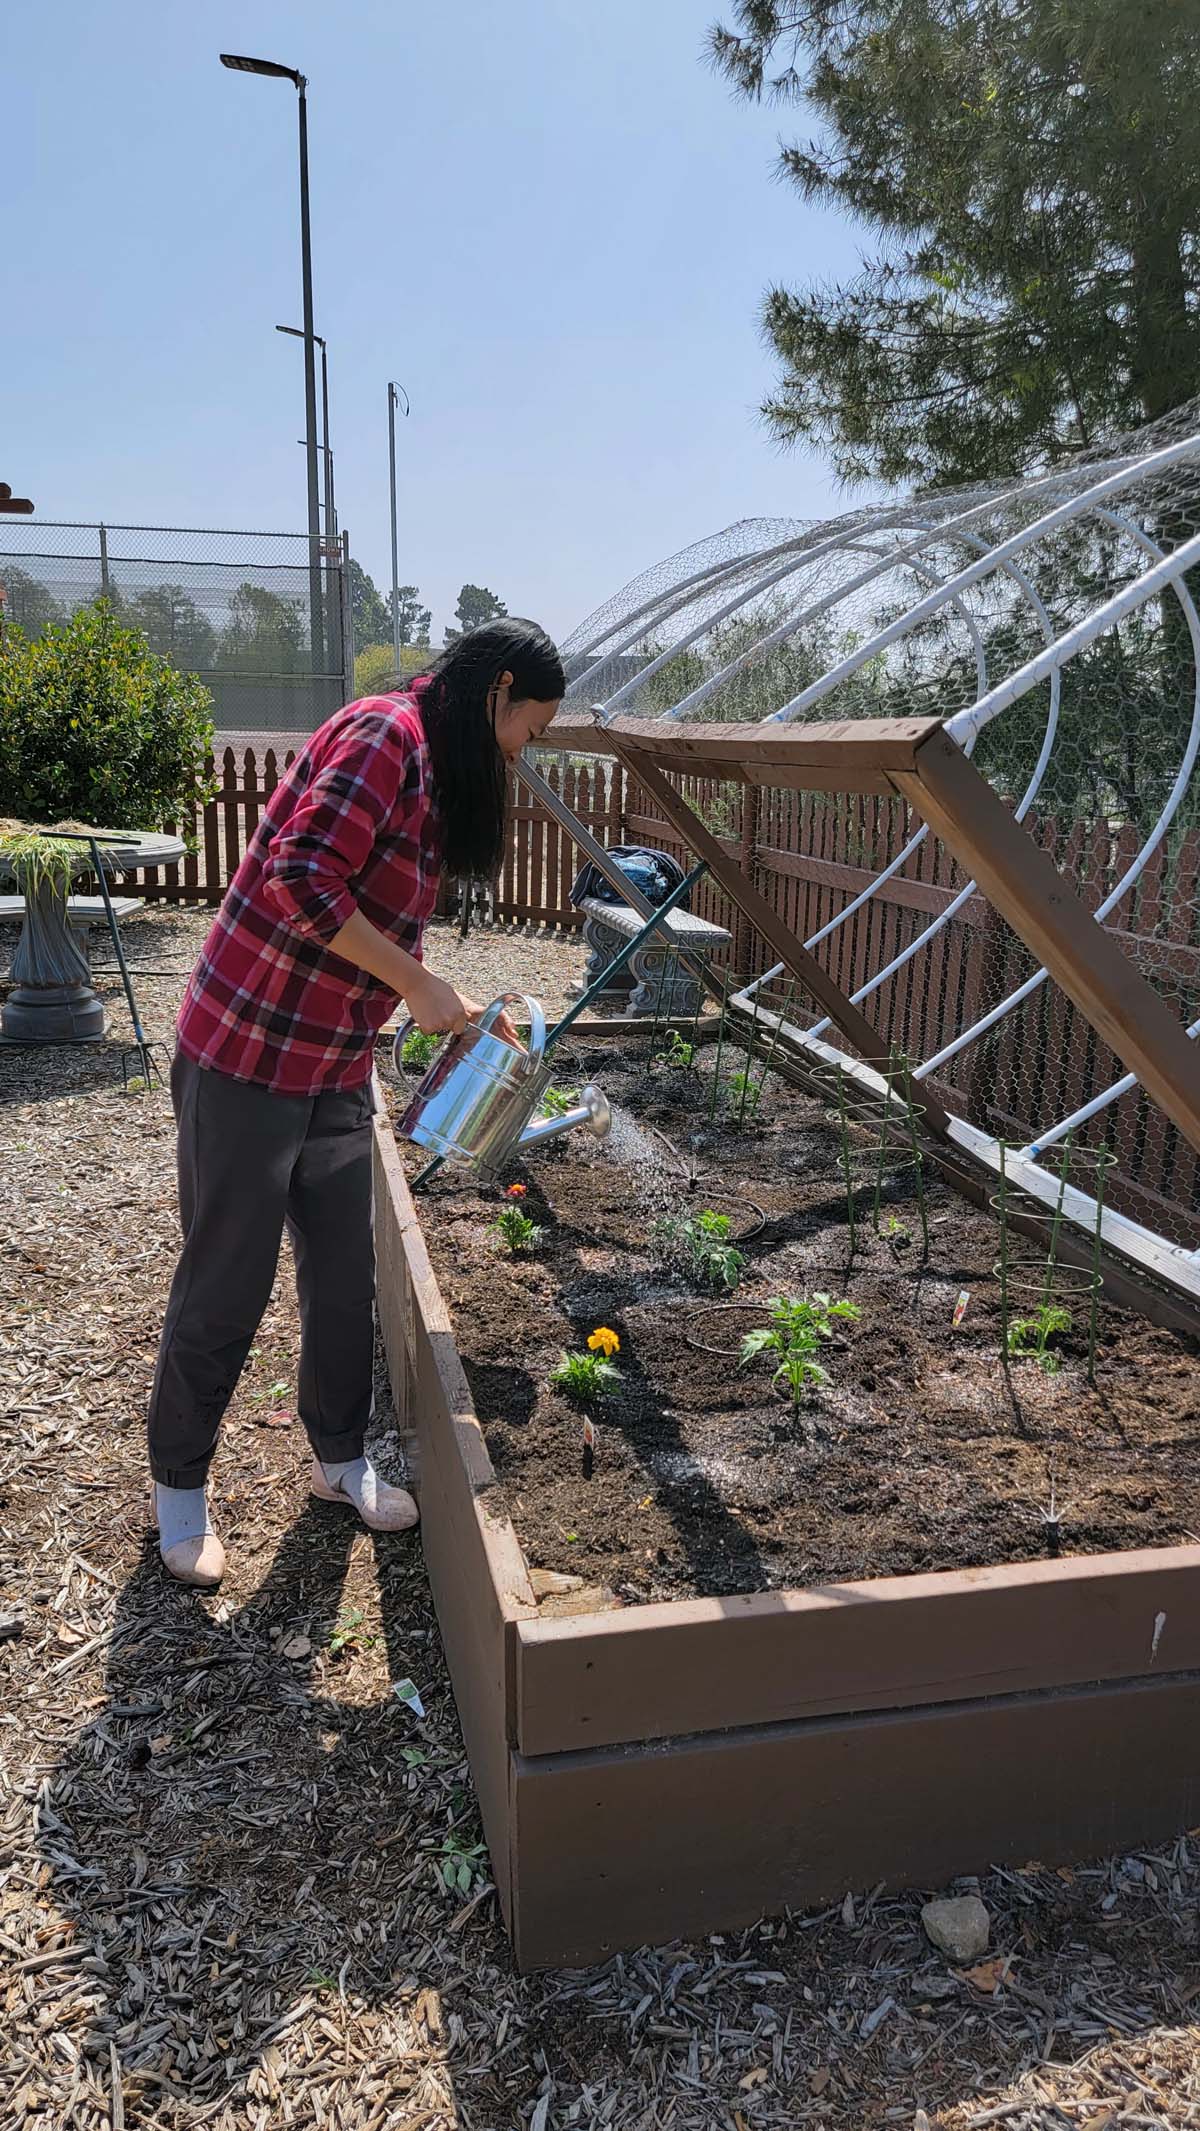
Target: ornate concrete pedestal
[
  {"x": 654, "y": 981},
  {"x": 53, "y": 999}
]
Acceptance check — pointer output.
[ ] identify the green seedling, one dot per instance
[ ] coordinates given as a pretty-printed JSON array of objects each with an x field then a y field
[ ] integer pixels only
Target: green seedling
[
  {"x": 516, "y": 1231},
  {"x": 679, "y": 1056},
  {"x": 1032, "y": 1335},
  {"x": 585, "y": 1378},
  {"x": 348, "y": 1634},
  {"x": 746, "y": 1092},
  {"x": 462, "y": 1863},
  {"x": 417, "y": 1049},
  {"x": 795, "y": 1333},
  {"x": 705, "y": 1238},
  {"x": 896, "y": 1235},
  {"x": 557, "y": 1101}
]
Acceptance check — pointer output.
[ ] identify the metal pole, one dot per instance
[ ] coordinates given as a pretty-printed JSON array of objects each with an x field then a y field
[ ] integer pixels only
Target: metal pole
[
  {"x": 316, "y": 630},
  {"x": 333, "y": 605},
  {"x": 347, "y": 621},
  {"x": 105, "y": 581},
  {"x": 395, "y": 556}
]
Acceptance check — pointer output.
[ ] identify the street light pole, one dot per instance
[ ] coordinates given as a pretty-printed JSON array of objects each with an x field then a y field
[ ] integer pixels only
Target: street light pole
[
  {"x": 395, "y": 394},
  {"x": 331, "y": 527},
  {"x": 271, "y": 67},
  {"x": 310, "y": 400}
]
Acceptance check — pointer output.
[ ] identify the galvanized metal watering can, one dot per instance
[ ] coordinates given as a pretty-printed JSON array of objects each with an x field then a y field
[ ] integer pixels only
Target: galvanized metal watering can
[{"x": 479, "y": 1094}]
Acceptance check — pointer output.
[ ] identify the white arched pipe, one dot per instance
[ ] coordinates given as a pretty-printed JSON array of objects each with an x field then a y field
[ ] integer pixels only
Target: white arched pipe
[
  {"x": 880, "y": 977},
  {"x": 945, "y": 529},
  {"x": 1075, "y": 507},
  {"x": 722, "y": 566},
  {"x": 1169, "y": 571},
  {"x": 964, "y": 895},
  {"x": 1091, "y": 1109}
]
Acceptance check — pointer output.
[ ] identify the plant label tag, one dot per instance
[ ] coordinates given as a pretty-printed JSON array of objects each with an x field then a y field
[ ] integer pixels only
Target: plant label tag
[
  {"x": 589, "y": 1435},
  {"x": 960, "y": 1307},
  {"x": 405, "y": 1692}
]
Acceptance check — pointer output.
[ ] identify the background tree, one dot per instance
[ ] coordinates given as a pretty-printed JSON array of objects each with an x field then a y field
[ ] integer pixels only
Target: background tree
[
  {"x": 264, "y": 634},
  {"x": 1033, "y": 172},
  {"x": 174, "y": 626},
  {"x": 27, "y": 602},
  {"x": 375, "y": 668},
  {"x": 475, "y": 606},
  {"x": 372, "y": 623},
  {"x": 414, "y": 618}
]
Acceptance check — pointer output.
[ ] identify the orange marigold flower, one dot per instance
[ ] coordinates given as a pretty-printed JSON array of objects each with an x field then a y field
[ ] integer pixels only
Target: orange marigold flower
[
  {"x": 516, "y": 1191},
  {"x": 603, "y": 1341}
]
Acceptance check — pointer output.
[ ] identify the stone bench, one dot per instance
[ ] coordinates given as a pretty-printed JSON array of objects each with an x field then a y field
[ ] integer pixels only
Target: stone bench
[
  {"x": 82, "y": 910},
  {"x": 654, "y": 980}
]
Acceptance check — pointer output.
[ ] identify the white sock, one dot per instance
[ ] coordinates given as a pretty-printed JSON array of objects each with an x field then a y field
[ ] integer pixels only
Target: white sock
[
  {"x": 357, "y": 1478},
  {"x": 182, "y": 1513}
]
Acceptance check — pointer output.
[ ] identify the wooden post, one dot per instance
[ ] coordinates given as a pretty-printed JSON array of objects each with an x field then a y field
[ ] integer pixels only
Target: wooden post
[
  {"x": 743, "y": 932},
  {"x": 1027, "y": 888}
]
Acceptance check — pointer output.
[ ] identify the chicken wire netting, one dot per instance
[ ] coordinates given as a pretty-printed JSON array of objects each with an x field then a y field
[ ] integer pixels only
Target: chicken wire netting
[{"x": 1051, "y": 624}]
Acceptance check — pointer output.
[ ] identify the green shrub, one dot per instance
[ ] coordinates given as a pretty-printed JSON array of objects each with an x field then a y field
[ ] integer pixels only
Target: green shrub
[{"x": 95, "y": 727}]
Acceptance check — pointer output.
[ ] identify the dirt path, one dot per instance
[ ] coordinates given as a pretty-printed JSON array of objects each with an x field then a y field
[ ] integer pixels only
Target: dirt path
[{"x": 225, "y": 1843}]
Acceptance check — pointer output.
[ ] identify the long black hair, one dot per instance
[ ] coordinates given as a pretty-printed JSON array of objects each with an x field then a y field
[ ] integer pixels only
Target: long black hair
[{"x": 468, "y": 767}]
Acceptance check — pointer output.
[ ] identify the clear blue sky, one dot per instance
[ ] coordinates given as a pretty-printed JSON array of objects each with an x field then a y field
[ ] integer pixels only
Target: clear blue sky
[{"x": 548, "y": 219}]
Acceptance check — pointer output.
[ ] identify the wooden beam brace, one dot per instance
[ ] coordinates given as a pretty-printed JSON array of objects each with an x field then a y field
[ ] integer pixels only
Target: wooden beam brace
[
  {"x": 1026, "y": 887},
  {"x": 850, "y": 755},
  {"x": 858, "y": 1031}
]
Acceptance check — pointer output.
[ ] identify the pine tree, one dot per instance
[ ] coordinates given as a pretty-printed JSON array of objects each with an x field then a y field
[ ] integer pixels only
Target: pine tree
[
  {"x": 1032, "y": 170},
  {"x": 475, "y": 606}
]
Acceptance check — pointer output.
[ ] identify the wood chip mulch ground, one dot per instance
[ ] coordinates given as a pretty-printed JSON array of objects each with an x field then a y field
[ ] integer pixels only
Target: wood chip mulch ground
[{"x": 241, "y": 1881}]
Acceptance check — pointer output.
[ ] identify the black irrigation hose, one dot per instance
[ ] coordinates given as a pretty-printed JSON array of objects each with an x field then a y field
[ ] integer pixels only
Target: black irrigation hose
[{"x": 732, "y": 1198}]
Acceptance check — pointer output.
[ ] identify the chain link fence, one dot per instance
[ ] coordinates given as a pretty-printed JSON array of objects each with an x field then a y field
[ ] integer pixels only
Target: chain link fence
[{"x": 235, "y": 608}]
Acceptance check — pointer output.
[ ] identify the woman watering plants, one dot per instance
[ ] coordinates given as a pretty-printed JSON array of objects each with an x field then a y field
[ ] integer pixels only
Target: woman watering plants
[{"x": 316, "y": 942}]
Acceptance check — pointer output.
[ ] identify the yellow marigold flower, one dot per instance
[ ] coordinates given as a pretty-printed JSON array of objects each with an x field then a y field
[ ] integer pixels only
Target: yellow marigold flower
[{"x": 603, "y": 1341}]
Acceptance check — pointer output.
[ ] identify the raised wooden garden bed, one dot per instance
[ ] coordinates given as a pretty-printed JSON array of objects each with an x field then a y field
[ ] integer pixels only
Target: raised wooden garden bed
[{"x": 670, "y": 1768}]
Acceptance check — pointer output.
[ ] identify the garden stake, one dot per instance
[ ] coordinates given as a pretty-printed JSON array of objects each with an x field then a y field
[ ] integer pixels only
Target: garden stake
[
  {"x": 780, "y": 1018},
  {"x": 1003, "y": 1146},
  {"x": 1104, "y": 1161},
  {"x": 1056, "y": 1223},
  {"x": 841, "y": 1088},
  {"x": 883, "y": 1137},
  {"x": 144, "y": 1049},
  {"x": 662, "y": 985},
  {"x": 716, "y": 1086},
  {"x": 918, "y": 1159},
  {"x": 696, "y": 1019},
  {"x": 746, "y": 1072}
]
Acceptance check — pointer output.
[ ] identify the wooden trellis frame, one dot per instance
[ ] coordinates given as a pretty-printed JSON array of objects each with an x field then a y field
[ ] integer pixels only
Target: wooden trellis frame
[{"x": 915, "y": 758}]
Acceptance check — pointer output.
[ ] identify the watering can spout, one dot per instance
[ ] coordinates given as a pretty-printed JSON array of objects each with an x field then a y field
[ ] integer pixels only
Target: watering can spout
[{"x": 592, "y": 1110}]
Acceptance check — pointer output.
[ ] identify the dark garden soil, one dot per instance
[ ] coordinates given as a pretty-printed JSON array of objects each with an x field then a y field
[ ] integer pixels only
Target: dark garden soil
[{"x": 924, "y": 1451}]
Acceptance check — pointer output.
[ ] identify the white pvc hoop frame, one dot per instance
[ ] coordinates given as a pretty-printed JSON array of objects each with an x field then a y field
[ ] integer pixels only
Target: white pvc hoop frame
[{"x": 757, "y": 574}]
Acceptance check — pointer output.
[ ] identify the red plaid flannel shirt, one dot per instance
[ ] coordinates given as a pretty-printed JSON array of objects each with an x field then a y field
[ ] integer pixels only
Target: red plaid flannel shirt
[{"x": 352, "y": 826}]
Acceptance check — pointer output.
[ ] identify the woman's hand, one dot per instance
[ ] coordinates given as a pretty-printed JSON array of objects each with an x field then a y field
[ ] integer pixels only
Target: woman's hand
[{"x": 436, "y": 1007}]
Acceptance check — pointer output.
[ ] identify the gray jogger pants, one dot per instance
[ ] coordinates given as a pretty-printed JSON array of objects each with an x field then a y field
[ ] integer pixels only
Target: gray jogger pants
[{"x": 249, "y": 1162}]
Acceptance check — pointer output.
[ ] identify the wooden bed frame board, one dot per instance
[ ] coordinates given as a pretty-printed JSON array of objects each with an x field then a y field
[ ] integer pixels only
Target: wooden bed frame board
[{"x": 653, "y": 1771}]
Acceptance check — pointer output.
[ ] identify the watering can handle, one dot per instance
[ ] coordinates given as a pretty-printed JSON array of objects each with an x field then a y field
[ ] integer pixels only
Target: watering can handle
[
  {"x": 398, "y": 1064},
  {"x": 537, "y": 1019}
]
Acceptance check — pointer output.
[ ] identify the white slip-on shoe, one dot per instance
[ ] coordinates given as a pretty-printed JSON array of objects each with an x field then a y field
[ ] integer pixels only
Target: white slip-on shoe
[{"x": 381, "y": 1506}]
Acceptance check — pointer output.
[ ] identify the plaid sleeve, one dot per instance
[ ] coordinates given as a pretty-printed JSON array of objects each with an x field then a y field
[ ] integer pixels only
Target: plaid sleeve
[{"x": 328, "y": 837}]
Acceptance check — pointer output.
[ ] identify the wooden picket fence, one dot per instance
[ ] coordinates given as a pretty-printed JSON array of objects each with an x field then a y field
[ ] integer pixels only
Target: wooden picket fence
[{"x": 810, "y": 855}]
